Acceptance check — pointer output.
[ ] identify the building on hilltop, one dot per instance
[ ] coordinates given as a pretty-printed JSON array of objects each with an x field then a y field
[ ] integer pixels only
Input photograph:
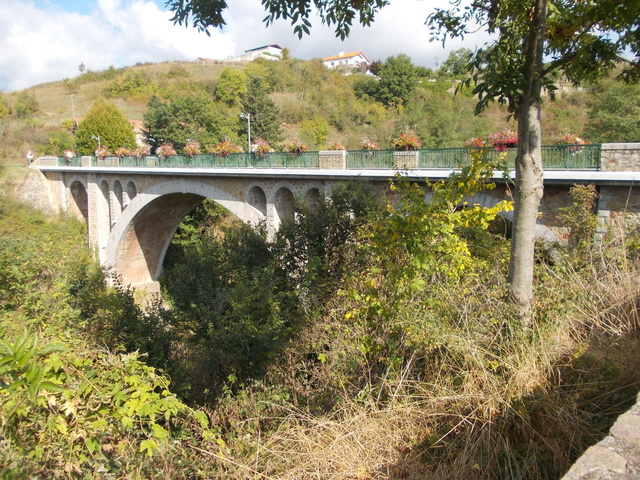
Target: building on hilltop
[
  {"x": 348, "y": 61},
  {"x": 268, "y": 52}
]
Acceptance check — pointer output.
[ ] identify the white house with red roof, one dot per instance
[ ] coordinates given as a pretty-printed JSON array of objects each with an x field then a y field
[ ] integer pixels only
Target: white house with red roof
[{"x": 347, "y": 60}]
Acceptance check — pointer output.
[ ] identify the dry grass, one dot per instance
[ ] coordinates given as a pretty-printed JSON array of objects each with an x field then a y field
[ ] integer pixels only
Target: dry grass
[{"x": 520, "y": 405}]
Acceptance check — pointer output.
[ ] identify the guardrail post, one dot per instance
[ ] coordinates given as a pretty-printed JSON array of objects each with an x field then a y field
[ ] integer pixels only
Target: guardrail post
[{"x": 332, "y": 159}]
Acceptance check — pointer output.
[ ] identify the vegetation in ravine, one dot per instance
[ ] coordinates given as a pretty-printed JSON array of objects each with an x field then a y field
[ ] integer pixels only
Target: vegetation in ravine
[{"x": 366, "y": 341}]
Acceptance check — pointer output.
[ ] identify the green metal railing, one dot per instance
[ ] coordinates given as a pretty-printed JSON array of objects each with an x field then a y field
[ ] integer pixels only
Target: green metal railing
[
  {"x": 554, "y": 157},
  {"x": 369, "y": 159}
]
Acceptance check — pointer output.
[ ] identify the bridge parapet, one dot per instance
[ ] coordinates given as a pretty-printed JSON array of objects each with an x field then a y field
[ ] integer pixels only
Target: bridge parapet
[
  {"x": 620, "y": 157},
  {"x": 554, "y": 157}
]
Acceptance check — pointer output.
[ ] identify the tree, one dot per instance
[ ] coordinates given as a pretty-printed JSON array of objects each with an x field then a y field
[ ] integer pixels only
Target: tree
[
  {"x": 581, "y": 40},
  {"x": 106, "y": 122},
  {"x": 615, "y": 114},
  {"x": 185, "y": 117},
  {"x": 232, "y": 85},
  {"x": 398, "y": 80},
  {"x": 456, "y": 64},
  {"x": 265, "y": 114}
]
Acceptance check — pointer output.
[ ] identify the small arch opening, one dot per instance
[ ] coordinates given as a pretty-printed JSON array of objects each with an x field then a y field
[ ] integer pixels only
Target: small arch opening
[
  {"x": 117, "y": 193},
  {"x": 80, "y": 205},
  {"x": 284, "y": 204},
  {"x": 257, "y": 199}
]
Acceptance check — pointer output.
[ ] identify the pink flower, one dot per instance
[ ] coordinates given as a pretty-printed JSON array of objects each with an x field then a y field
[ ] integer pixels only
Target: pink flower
[
  {"x": 503, "y": 140},
  {"x": 225, "y": 148},
  {"x": 407, "y": 141}
]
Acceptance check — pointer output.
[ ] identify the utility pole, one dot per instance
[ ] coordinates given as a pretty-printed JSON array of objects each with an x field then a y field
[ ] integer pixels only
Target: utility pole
[{"x": 247, "y": 117}]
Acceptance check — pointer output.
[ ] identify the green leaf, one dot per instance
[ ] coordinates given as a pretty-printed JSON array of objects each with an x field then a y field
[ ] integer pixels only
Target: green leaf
[
  {"x": 52, "y": 347},
  {"x": 52, "y": 387},
  {"x": 149, "y": 446},
  {"x": 159, "y": 432}
]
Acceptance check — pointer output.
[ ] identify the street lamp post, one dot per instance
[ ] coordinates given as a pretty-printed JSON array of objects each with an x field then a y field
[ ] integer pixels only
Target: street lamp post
[{"x": 247, "y": 117}]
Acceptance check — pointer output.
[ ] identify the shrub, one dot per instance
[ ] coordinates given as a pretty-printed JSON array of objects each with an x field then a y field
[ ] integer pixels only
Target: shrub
[
  {"x": 102, "y": 152},
  {"x": 225, "y": 148},
  {"x": 192, "y": 148},
  {"x": 503, "y": 140},
  {"x": 140, "y": 152},
  {"x": 105, "y": 121},
  {"x": 122, "y": 152},
  {"x": 336, "y": 146},
  {"x": 477, "y": 147},
  {"x": 406, "y": 141},
  {"x": 369, "y": 145},
  {"x": 570, "y": 139},
  {"x": 58, "y": 142},
  {"x": 261, "y": 147},
  {"x": 165, "y": 150},
  {"x": 296, "y": 146}
]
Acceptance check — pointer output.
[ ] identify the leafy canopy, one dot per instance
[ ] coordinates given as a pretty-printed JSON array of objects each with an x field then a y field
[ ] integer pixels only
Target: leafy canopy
[
  {"x": 209, "y": 13},
  {"x": 265, "y": 114},
  {"x": 584, "y": 41},
  {"x": 105, "y": 121},
  {"x": 185, "y": 117}
]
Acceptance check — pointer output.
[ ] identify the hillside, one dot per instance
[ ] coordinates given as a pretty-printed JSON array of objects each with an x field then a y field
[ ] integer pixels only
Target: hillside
[{"x": 315, "y": 104}]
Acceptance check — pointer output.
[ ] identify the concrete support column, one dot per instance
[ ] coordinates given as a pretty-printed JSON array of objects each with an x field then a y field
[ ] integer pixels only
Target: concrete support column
[
  {"x": 64, "y": 193},
  {"x": 114, "y": 208},
  {"x": 93, "y": 213},
  {"x": 273, "y": 221}
]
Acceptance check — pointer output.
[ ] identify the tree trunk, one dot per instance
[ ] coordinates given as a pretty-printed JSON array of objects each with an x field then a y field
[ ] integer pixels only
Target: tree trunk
[{"x": 529, "y": 175}]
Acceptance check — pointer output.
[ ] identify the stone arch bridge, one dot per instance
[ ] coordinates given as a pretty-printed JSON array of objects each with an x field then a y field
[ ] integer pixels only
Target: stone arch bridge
[{"x": 132, "y": 213}]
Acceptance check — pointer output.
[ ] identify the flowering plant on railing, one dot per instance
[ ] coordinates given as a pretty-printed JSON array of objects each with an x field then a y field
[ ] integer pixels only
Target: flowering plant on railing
[
  {"x": 69, "y": 154},
  {"x": 102, "y": 152},
  {"x": 192, "y": 148},
  {"x": 122, "y": 152},
  {"x": 406, "y": 141},
  {"x": 369, "y": 145},
  {"x": 336, "y": 146},
  {"x": 296, "y": 146},
  {"x": 225, "y": 148},
  {"x": 140, "y": 152},
  {"x": 477, "y": 147},
  {"x": 261, "y": 147},
  {"x": 571, "y": 140},
  {"x": 165, "y": 150},
  {"x": 503, "y": 140}
]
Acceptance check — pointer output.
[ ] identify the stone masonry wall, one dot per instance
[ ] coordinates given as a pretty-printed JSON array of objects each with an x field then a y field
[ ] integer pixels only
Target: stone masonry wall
[
  {"x": 615, "y": 457},
  {"x": 620, "y": 157}
]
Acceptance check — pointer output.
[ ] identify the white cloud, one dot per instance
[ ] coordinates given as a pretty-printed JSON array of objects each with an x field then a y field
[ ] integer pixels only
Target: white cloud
[{"x": 40, "y": 44}]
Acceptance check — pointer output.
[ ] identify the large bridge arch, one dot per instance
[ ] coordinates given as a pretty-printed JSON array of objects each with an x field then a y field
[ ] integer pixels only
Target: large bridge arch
[{"x": 139, "y": 239}]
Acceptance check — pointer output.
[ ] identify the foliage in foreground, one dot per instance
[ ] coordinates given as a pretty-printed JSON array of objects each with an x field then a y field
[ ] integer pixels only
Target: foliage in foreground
[
  {"x": 69, "y": 408},
  {"x": 401, "y": 361}
]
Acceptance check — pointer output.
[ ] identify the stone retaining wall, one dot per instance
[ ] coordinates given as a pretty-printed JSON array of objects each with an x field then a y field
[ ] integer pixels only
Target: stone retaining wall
[{"x": 617, "y": 456}]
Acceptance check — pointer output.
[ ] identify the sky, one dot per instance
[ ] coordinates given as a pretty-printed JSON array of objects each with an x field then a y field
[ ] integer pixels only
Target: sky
[{"x": 48, "y": 40}]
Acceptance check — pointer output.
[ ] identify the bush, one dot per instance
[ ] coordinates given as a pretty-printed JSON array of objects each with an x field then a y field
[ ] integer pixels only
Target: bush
[
  {"x": 105, "y": 121},
  {"x": 225, "y": 148},
  {"x": 295, "y": 146},
  {"x": 406, "y": 141}
]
